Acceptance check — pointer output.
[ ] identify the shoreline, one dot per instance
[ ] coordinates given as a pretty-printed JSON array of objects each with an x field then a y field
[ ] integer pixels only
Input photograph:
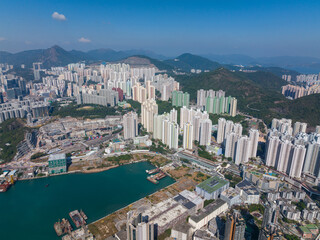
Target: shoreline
[
  {"x": 95, "y": 170},
  {"x": 175, "y": 181}
]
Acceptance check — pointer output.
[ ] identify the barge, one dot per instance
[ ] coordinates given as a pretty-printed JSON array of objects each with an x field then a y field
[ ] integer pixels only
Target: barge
[
  {"x": 153, "y": 171},
  {"x": 77, "y": 218},
  {"x": 62, "y": 227}
]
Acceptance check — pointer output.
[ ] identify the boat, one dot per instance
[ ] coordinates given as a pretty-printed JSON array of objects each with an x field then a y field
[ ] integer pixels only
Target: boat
[
  {"x": 62, "y": 227},
  {"x": 153, "y": 171},
  {"x": 151, "y": 179},
  {"x": 160, "y": 175},
  {"x": 57, "y": 228},
  {"x": 83, "y": 215},
  {"x": 4, "y": 186}
]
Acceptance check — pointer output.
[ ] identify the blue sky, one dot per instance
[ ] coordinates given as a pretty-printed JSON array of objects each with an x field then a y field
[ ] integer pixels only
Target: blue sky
[{"x": 256, "y": 28}]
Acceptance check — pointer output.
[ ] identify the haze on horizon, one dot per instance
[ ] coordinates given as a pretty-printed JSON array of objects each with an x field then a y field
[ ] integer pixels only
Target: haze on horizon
[{"x": 252, "y": 27}]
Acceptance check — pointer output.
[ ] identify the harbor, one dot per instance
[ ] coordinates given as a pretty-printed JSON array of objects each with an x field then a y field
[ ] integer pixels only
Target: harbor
[{"x": 47, "y": 205}]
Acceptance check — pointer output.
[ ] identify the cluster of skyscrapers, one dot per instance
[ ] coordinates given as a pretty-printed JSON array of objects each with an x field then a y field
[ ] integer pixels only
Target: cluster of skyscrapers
[
  {"x": 292, "y": 150},
  {"x": 238, "y": 147},
  {"x": 295, "y": 92},
  {"x": 180, "y": 99},
  {"x": 196, "y": 127},
  {"x": 166, "y": 128},
  {"x": 25, "y": 108},
  {"x": 216, "y": 102}
]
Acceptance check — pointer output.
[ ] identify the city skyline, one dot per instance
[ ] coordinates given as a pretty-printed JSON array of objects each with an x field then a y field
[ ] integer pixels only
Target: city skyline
[{"x": 170, "y": 28}]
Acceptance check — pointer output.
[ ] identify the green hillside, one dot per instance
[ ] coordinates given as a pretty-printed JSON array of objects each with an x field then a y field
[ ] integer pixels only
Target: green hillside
[
  {"x": 187, "y": 61},
  {"x": 11, "y": 134},
  {"x": 258, "y": 94}
]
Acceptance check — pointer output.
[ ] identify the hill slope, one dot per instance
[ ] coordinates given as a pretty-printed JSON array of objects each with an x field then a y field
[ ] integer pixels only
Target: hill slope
[
  {"x": 57, "y": 56},
  {"x": 187, "y": 61},
  {"x": 257, "y": 93}
]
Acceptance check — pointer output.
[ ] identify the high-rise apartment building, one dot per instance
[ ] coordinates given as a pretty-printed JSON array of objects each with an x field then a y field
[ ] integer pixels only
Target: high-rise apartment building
[
  {"x": 148, "y": 109},
  {"x": 130, "y": 125},
  {"x": 170, "y": 133},
  {"x": 299, "y": 127},
  {"x": 243, "y": 150},
  {"x": 312, "y": 161},
  {"x": 137, "y": 229},
  {"x": 205, "y": 132},
  {"x": 297, "y": 161},
  {"x": 221, "y": 127},
  {"x": 235, "y": 226},
  {"x": 188, "y": 136},
  {"x": 254, "y": 138},
  {"x": 180, "y": 99},
  {"x": 230, "y": 145},
  {"x": 272, "y": 147},
  {"x": 139, "y": 93}
]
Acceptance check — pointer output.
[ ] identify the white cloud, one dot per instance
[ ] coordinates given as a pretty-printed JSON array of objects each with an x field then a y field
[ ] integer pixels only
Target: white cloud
[
  {"x": 58, "y": 16},
  {"x": 84, "y": 40},
  {"x": 2, "y": 39}
]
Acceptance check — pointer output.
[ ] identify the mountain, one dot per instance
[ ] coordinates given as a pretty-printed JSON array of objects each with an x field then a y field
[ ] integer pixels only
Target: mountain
[
  {"x": 258, "y": 94},
  {"x": 57, "y": 56},
  {"x": 188, "y": 61},
  {"x": 54, "y": 56},
  {"x": 144, "y": 61}
]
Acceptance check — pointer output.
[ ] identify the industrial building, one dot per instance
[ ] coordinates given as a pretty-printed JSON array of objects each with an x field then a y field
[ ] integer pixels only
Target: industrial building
[
  {"x": 57, "y": 163},
  {"x": 203, "y": 216},
  {"x": 212, "y": 187}
]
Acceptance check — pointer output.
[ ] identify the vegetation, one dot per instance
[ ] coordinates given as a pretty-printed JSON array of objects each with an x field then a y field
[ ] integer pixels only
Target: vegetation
[
  {"x": 189, "y": 61},
  {"x": 165, "y": 235},
  {"x": 214, "y": 118},
  {"x": 117, "y": 159},
  {"x": 207, "y": 202},
  {"x": 38, "y": 155},
  {"x": 81, "y": 111},
  {"x": 256, "y": 207},
  {"x": 258, "y": 94},
  {"x": 136, "y": 106},
  {"x": 234, "y": 180},
  {"x": 261, "y": 127},
  {"x": 286, "y": 220},
  {"x": 291, "y": 237},
  {"x": 185, "y": 160},
  {"x": 11, "y": 134},
  {"x": 300, "y": 205}
]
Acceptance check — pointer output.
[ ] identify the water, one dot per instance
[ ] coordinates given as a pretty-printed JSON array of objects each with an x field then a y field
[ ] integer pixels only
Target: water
[{"x": 29, "y": 209}]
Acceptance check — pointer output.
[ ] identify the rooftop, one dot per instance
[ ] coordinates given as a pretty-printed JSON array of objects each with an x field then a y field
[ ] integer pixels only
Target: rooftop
[
  {"x": 57, "y": 156},
  {"x": 207, "y": 210},
  {"x": 304, "y": 229},
  {"x": 212, "y": 184},
  {"x": 182, "y": 227},
  {"x": 165, "y": 212}
]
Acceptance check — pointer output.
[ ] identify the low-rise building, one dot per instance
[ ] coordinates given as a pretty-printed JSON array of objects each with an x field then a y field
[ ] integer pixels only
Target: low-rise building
[
  {"x": 212, "y": 187},
  {"x": 231, "y": 196},
  {"x": 182, "y": 231},
  {"x": 203, "y": 216},
  {"x": 57, "y": 163},
  {"x": 166, "y": 214},
  {"x": 248, "y": 193}
]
